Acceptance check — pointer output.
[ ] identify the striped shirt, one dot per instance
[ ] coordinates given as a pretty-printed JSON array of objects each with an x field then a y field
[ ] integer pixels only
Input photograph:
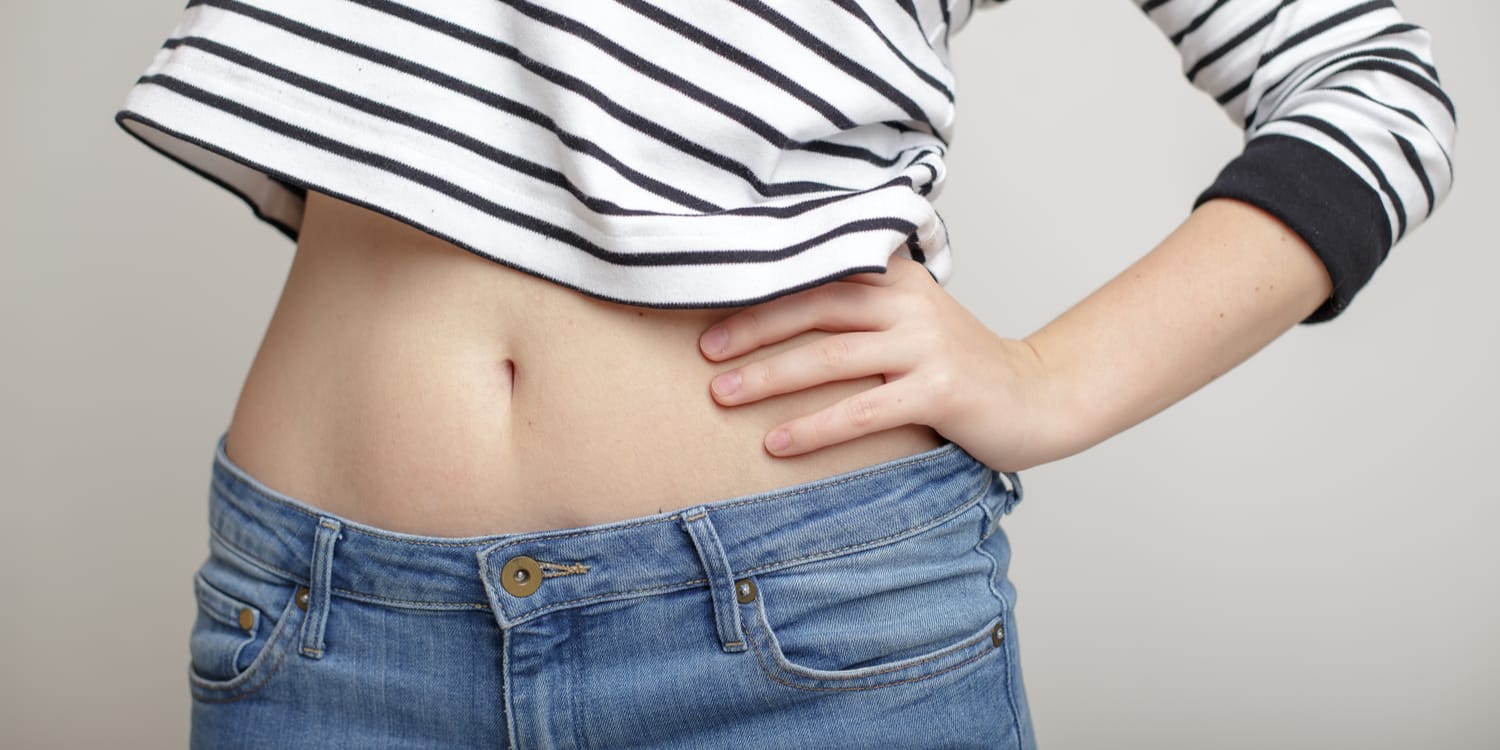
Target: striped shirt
[{"x": 712, "y": 153}]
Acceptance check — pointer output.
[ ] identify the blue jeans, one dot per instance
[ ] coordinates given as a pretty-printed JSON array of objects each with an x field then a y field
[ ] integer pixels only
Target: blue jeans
[{"x": 866, "y": 610}]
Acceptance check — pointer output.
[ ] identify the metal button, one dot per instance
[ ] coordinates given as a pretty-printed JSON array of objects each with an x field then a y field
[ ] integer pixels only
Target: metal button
[
  {"x": 744, "y": 590},
  {"x": 247, "y": 618},
  {"x": 997, "y": 636},
  {"x": 302, "y": 594},
  {"x": 521, "y": 576}
]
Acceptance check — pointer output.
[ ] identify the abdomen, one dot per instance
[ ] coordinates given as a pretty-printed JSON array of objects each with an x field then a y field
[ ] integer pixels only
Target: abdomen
[{"x": 406, "y": 383}]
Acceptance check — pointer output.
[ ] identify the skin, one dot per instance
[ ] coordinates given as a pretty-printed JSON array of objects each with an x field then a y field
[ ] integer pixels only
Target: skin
[
  {"x": 406, "y": 383},
  {"x": 1227, "y": 282},
  {"x": 410, "y": 385}
]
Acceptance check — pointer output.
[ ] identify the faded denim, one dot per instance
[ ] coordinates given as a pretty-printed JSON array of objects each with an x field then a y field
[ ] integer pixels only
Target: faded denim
[{"x": 866, "y": 610}]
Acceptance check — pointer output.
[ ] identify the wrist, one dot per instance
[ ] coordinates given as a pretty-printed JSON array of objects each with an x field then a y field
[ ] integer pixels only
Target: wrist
[
  {"x": 1066, "y": 420},
  {"x": 1018, "y": 417}
]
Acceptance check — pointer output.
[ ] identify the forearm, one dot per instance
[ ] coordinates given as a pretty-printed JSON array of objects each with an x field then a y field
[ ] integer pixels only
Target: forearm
[
  {"x": 1219, "y": 288},
  {"x": 1348, "y": 137},
  {"x": 1226, "y": 283}
]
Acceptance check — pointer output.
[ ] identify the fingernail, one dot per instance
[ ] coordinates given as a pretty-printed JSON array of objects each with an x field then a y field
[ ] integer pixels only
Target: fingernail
[
  {"x": 715, "y": 339},
  {"x": 779, "y": 440},
  {"x": 727, "y": 383}
]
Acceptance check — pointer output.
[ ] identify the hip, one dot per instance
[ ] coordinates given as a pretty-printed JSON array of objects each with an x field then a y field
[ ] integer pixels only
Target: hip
[{"x": 872, "y": 608}]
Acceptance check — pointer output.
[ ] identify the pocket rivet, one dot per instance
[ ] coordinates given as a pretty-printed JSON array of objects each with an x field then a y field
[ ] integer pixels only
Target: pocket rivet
[
  {"x": 744, "y": 590},
  {"x": 302, "y": 594},
  {"x": 247, "y": 619},
  {"x": 997, "y": 636}
]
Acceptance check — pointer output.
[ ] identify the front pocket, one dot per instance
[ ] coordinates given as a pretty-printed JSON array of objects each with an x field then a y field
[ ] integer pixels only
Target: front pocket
[
  {"x": 914, "y": 609},
  {"x": 227, "y": 634},
  {"x": 915, "y": 669},
  {"x": 246, "y": 621}
]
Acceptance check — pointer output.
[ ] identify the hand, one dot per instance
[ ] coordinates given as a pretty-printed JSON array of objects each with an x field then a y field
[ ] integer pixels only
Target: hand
[{"x": 942, "y": 367}]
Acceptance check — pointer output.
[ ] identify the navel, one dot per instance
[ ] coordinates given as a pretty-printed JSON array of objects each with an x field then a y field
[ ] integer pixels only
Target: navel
[{"x": 508, "y": 376}]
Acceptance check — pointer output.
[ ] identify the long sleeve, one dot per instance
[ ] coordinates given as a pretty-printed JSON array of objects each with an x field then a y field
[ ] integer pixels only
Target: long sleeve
[{"x": 1348, "y": 131}]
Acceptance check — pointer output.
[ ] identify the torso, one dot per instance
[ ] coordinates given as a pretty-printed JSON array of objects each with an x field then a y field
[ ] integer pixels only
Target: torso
[{"x": 408, "y": 384}]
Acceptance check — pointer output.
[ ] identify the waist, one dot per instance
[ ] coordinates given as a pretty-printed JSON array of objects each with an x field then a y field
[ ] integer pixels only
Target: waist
[
  {"x": 410, "y": 385},
  {"x": 865, "y": 507}
]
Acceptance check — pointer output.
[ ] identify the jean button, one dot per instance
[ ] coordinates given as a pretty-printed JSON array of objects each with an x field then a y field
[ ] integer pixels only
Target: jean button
[
  {"x": 997, "y": 636},
  {"x": 521, "y": 576},
  {"x": 302, "y": 598}
]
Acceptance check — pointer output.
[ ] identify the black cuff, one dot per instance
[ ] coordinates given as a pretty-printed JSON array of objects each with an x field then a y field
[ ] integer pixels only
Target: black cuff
[{"x": 1327, "y": 204}]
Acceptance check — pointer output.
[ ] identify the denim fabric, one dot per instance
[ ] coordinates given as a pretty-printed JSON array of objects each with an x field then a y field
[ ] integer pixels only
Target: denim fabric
[{"x": 866, "y": 610}]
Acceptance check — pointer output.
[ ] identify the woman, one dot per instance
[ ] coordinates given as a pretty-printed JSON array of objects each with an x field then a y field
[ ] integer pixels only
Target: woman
[{"x": 613, "y": 398}]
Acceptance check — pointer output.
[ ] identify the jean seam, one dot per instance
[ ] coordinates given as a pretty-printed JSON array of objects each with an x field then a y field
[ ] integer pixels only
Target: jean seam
[
  {"x": 918, "y": 460},
  {"x": 506, "y": 540},
  {"x": 376, "y": 599},
  {"x": 994, "y": 574},
  {"x": 627, "y": 594},
  {"x": 278, "y": 643},
  {"x": 717, "y": 507},
  {"x": 201, "y": 589},
  {"x": 213, "y": 612},
  {"x": 367, "y": 598},
  {"x": 773, "y": 671},
  {"x": 873, "y": 543},
  {"x": 252, "y": 560},
  {"x": 1010, "y": 687},
  {"x": 777, "y": 565}
]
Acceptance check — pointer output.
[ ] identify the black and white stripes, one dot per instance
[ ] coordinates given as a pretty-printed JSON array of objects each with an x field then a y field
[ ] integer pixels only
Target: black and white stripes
[
  {"x": 705, "y": 153},
  {"x": 1349, "y": 133}
]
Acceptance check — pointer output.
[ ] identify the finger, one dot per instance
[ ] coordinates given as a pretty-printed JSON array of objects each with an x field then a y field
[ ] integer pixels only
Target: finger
[
  {"x": 830, "y": 307},
  {"x": 843, "y": 356},
  {"x": 880, "y": 408}
]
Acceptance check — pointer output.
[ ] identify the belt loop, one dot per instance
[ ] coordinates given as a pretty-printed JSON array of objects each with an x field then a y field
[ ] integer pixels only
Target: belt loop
[
  {"x": 1008, "y": 483},
  {"x": 720, "y": 578},
  {"x": 1014, "y": 492},
  {"x": 321, "y": 581}
]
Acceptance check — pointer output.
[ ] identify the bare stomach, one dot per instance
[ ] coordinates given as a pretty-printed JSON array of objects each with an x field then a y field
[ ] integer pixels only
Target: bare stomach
[{"x": 408, "y": 384}]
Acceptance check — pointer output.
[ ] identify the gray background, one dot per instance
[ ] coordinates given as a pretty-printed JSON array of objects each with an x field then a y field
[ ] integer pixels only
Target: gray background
[{"x": 1300, "y": 555}]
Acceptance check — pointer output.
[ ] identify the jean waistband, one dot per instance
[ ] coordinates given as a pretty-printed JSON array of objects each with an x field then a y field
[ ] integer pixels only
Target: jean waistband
[{"x": 863, "y": 508}]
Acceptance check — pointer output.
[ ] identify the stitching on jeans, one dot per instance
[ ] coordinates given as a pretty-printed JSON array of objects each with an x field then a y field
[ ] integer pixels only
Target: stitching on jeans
[
  {"x": 558, "y": 570},
  {"x": 282, "y": 633},
  {"x": 938, "y": 521},
  {"x": 480, "y": 542},
  {"x": 758, "y": 569},
  {"x": 214, "y": 612},
  {"x": 871, "y": 544},
  {"x": 1010, "y": 686},
  {"x": 931, "y": 523},
  {"x": 347, "y": 593},
  {"x": 409, "y": 603},
  {"x": 249, "y": 690},
  {"x": 528, "y": 614},
  {"x": 763, "y": 629},
  {"x": 942, "y": 671},
  {"x": 255, "y": 561},
  {"x": 768, "y": 671}
]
